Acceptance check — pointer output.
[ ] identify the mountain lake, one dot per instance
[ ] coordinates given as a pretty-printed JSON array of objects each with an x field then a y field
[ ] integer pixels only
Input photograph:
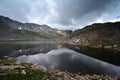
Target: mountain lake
[{"x": 54, "y": 56}]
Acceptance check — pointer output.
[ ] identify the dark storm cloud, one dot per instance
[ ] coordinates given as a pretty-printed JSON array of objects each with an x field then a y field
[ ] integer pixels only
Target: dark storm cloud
[{"x": 83, "y": 11}]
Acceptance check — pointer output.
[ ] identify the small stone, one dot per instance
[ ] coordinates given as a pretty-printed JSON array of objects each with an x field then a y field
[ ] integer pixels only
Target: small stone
[
  {"x": 6, "y": 57},
  {"x": 17, "y": 62},
  {"x": 11, "y": 59},
  {"x": 23, "y": 72}
]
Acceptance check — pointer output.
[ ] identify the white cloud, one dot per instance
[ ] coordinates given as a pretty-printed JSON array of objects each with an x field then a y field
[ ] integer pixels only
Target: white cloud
[
  {"x": 39, "y": 13},
  {"x": 114, "y": 20}
]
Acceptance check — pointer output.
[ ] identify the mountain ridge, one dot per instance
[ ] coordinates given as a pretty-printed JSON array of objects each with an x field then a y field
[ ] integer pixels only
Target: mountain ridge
[
  {"x": 97, "y": 34},
  {"x": 27, "y": 30}
]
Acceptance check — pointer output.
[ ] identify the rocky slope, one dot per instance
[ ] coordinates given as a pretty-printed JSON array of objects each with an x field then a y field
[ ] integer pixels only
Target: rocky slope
[
  {"x": 97, "y": 34},
  {"x": 10, "y": 29}
]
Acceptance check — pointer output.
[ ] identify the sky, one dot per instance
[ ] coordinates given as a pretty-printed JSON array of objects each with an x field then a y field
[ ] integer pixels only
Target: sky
[{"x": 62, "y": 14}]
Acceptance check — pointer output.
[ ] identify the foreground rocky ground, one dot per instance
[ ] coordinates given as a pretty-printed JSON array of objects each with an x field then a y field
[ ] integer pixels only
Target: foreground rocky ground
[{"x": 24, "y": 71}]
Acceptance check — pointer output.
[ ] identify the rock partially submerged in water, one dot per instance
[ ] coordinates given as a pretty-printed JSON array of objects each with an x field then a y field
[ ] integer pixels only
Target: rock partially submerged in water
[
  {"x": 10, "y": 58},
  {"x": 37, "y": 72}
]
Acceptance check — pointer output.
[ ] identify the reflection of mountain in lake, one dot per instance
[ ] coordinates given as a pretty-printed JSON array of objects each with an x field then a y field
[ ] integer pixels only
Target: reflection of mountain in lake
[
  {"x": 43, "y": 48},
  {"x": 26, "y": 48},
  {"x": 66, "y": 59}
]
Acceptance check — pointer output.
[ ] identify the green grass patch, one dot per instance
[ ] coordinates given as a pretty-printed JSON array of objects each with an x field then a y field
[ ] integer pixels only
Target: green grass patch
[{"x": 6, "y": 62}]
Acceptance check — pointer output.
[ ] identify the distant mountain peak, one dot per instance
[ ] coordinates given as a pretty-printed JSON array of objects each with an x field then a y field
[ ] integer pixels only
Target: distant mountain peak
[{"x": 5, "y": 18}]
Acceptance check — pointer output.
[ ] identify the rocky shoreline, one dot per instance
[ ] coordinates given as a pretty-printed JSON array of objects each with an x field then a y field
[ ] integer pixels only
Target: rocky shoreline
[{"x": 23, "y": 71}]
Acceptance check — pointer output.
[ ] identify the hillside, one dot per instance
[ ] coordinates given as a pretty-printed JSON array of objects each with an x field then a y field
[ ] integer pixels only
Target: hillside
[
  {"x": 14, "y": 30},
  {"x": 97, "y": 34}
]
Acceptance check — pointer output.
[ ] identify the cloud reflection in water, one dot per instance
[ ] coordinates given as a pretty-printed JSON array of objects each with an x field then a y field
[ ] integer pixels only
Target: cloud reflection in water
[{"x": 66, "y": 59}]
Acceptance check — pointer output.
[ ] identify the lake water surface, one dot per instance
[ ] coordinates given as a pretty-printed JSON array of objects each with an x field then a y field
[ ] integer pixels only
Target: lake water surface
[{"x": 54, "y": 56}]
